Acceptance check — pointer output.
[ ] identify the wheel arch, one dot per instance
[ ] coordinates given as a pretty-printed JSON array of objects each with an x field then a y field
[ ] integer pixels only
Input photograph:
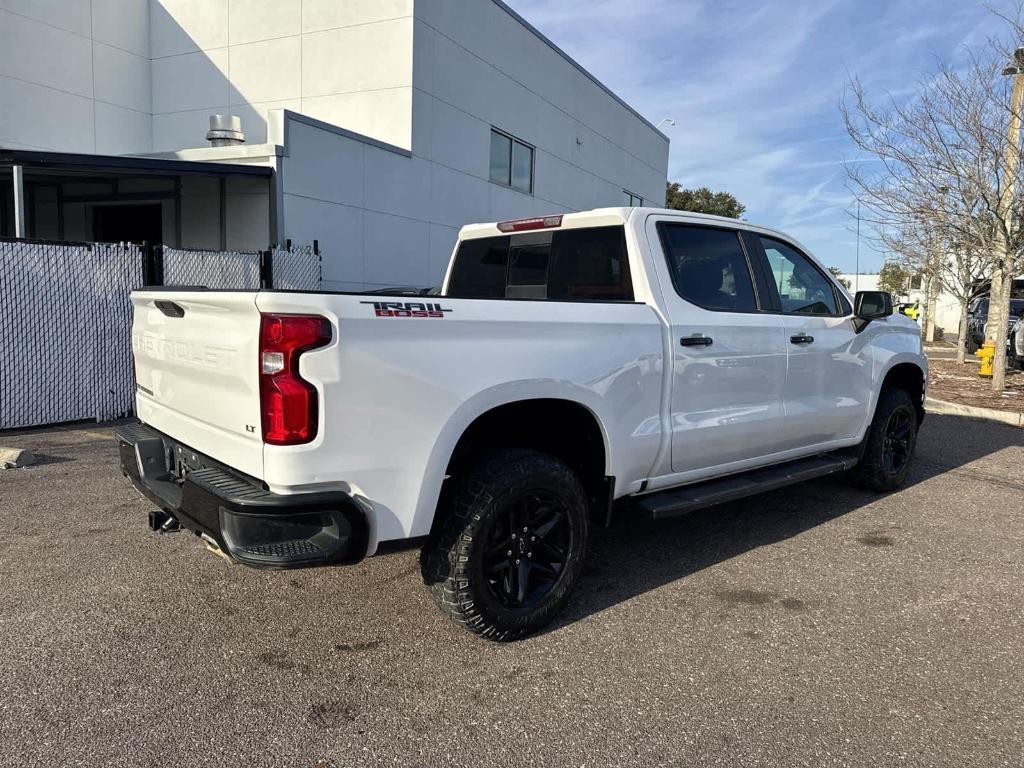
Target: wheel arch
[
  {"x": 563, "y": 424},
  {"x": 911, "y": 378}
]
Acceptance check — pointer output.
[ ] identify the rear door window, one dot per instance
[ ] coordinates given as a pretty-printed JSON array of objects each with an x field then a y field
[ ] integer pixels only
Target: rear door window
[
  {"x": 708, "y": 267},
  {"x": 589, "y": 264}
]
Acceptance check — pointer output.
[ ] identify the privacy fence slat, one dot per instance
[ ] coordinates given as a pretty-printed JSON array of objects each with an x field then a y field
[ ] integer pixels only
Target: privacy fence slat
[
  {"x": 65, "y": 317},
  {"x": 65, "y": 331}
]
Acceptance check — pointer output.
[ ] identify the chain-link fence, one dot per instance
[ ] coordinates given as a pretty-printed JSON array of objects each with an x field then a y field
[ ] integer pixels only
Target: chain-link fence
[
  {"x": 284, "y": 267},
  {"x": 210, "y": 269},
  {"x": 65, "y": 316},
  {"x": 65, "y": 331},
  {"x": 296, "y": 268}
]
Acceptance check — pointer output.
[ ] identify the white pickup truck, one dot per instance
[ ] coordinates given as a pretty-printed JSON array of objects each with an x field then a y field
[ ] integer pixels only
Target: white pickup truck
[{"x": 645, "y": 360}]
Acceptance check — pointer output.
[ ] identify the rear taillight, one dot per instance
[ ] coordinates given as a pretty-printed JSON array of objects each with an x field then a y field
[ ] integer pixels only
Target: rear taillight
[{"x": 288, "y": 403}]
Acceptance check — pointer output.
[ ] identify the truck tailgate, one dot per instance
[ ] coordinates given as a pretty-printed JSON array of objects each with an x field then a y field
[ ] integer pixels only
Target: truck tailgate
[{"x": 196, "y": 370}]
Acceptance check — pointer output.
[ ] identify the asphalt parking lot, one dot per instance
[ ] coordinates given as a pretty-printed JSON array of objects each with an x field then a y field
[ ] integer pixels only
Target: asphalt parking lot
[{"x": 814, "y": 626}]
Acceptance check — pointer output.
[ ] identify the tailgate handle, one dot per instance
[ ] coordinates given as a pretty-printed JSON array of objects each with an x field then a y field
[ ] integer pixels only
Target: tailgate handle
[{"x": 170, "y": 309}]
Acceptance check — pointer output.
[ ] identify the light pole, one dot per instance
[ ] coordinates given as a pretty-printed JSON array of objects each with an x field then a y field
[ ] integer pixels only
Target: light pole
[
  {"x": 932, "y": 299},
  {"x": 856, "y": 271},
  {"x": 668, "y": 120},
  {"x": 1011, "y": 158}
]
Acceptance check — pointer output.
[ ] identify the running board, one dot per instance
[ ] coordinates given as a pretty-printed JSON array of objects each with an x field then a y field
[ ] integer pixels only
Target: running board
[{"x": 679, "y": 501}]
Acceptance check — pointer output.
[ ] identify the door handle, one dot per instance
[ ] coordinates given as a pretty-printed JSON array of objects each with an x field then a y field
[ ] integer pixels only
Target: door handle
[
  {"x": 696, "y": 341},
  {"x": 801, "y": 338}
]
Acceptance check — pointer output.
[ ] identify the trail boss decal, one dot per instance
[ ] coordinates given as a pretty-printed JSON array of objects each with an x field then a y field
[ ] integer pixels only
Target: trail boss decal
[{"x": 406, "y": 309}]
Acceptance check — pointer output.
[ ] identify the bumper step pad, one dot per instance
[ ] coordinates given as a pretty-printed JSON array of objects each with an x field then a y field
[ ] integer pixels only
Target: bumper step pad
[{"x": 250, "y": 523}]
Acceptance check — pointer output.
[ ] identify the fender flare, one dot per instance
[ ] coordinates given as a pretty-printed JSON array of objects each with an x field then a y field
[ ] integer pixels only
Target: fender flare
[{"x": 475, "y": 407}]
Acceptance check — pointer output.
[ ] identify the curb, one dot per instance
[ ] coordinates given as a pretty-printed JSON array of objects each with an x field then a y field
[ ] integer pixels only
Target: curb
[{"x": 931, "y": 405}]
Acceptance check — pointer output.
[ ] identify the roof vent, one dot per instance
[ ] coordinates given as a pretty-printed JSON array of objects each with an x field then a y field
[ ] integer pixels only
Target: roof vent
[{"x": 225, "y": 131}]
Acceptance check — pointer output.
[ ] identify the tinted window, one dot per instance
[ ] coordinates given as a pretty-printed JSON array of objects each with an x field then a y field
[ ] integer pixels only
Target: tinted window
[
  {"x": 708, "y": 267},
  {"x": 511, "y": 162},
  {"x": 590, "y": 264},
  {"x": 803, "y": 290},
  {"x": 501, "y": 158},
  {"x": 564, "y": 265},
  {"x": 522, "y": 167},
  {"x": 480, "y": 267},
  {"x": 528, "y": 267}
]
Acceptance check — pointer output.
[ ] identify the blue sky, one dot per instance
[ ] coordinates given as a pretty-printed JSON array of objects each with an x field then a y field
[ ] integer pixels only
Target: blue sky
[{"x": 754, "y": 88}]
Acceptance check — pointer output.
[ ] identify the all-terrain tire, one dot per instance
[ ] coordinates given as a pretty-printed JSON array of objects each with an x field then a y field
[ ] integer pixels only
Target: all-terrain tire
[
  {"x": 458, "y": 561},
  {"x": 877, "y": 470}
]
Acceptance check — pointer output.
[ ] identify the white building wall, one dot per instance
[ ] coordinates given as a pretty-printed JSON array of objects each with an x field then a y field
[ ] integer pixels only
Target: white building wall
[
  {"x": 477, "y": 65},
  {"x": 947, "y": 311},
  {"x": 387, "y": 218},
  {"x": 348, "y": 62},
  {"x": 74, "y": 75},
  {"x": 428, "y": 78}
]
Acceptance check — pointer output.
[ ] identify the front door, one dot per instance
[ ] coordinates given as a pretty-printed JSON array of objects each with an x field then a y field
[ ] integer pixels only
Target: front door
[
  {"x": 728, "y": 357},
  {"x": 829, "y": 382}
]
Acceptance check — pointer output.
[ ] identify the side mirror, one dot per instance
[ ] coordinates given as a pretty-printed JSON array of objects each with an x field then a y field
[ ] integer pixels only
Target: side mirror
[{"x": 870, "y": 305}]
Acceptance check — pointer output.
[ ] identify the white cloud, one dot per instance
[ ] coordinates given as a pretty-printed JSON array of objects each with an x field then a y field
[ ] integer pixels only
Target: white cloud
[{"x": 754, "y": 90}]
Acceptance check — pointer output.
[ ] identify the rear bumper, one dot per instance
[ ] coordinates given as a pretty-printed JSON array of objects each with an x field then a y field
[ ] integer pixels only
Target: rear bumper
[{"x": 248, "y": 522}]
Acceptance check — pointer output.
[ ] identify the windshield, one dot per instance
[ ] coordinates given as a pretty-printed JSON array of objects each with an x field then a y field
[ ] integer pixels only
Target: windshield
[{"x": 1016, "y": 307}]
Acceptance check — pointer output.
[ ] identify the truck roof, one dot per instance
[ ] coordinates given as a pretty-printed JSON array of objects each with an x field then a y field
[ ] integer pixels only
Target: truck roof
[
  {"x": 598, "y": 217},
  {"x": 603, "y": 217}
]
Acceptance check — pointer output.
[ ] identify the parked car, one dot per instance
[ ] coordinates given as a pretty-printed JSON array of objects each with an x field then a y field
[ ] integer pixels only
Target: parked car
[
  {"x": 977, "y": 320},
  {"x": 645, "y": 361},
  {"x": 1015, "y": 344},
  {"x": 910, "y": 309}
]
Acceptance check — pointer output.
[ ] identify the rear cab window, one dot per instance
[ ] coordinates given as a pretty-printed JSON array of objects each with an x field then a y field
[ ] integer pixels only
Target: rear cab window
[{"x": 585, "y": 264}]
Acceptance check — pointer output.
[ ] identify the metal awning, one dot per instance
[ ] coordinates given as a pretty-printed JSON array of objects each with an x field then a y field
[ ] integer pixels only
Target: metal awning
[
  {"x": 23, "y": 164},
  {"x": 66, "y": 161}
]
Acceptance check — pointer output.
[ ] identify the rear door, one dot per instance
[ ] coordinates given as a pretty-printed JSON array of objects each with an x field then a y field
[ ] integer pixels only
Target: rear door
[
  {"x": 196, "y": 371},
  {"x": 728, "y": 355},
  {"x": 830, "y": 373}
]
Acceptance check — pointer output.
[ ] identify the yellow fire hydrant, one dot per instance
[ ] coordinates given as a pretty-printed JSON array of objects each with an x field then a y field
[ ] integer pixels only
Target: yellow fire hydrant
[{"x": 986, "y": 354}]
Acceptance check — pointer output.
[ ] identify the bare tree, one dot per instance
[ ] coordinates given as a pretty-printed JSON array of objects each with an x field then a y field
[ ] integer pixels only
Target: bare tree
[
  {"x": 944, "y": 188},
  {"x": 960, "y": 269}
]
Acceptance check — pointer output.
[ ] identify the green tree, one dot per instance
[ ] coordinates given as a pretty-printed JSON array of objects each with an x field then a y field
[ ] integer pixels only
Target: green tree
[
  {"x": 894, "y": 277},
  {"x": 702, "y": 200},
  {"x": 836, "y": 273}
]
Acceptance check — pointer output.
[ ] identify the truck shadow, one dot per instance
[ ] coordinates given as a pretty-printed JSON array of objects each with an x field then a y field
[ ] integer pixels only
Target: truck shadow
[{"x": 634, "y": 556}]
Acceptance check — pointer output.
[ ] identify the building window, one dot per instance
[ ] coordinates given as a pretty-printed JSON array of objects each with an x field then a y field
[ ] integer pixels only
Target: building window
[
  {"x": 915, "y": 283},
  {"x": 630, "y": 200},
  {"x": 511, "y": 162}
]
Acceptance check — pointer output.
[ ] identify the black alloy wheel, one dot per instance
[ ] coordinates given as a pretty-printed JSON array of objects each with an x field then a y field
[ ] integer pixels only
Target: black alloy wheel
[
  {"x": 509, "y": 546},
  {"x": 527, "y": 549},
  {"x": 896, "y": 442},
  {"x": 888, "y": 446}
]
